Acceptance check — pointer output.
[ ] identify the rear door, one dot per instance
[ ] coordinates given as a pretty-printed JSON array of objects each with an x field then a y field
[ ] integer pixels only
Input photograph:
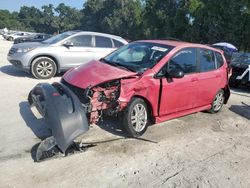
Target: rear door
[
  {"x": 210, "y": 77},
  {"x": 180, "y": 94},
  {"x": 103, "y": 46},
  {"x": 81, "y": 52}
]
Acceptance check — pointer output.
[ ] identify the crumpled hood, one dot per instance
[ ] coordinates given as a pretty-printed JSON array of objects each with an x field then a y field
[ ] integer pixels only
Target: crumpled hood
[{"x": 94, "y": 73}]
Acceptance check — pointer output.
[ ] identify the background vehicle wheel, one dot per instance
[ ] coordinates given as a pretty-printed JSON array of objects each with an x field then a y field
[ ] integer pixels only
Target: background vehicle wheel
[
  {"x": 135, "y": 117},
  {"x": 10, "y": 38},
  {"x": 218, "y": 102},
  {"x": 233, "y": 82},
  {"x": 43, "y": 68}
]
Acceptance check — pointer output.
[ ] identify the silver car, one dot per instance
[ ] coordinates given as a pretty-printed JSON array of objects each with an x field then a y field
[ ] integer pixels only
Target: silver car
[{"x": 62, "y": 52}]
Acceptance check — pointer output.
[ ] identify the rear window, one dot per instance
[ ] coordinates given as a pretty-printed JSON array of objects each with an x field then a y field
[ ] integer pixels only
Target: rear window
[
  {"x": 81, "y": 40},
  {"x": 219, "y": 60},
  {"x": 103, "y": 42},
  {"x": 207, "y": 60}
]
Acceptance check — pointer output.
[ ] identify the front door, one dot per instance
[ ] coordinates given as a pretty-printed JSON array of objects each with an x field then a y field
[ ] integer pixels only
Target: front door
[
  {"x": 179, "y": 94},
  {"x": 80, "y": 52}
]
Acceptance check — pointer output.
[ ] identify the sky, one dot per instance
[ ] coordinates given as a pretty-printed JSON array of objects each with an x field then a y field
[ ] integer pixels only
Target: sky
[{"x": 15, "y": 5}]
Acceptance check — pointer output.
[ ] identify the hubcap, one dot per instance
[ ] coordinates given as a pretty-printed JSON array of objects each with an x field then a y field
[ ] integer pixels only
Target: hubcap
[
  {"x": 44, "y": 68},
  {"x": 218, "y": 102},
  {"x": 139, "y": 117}
]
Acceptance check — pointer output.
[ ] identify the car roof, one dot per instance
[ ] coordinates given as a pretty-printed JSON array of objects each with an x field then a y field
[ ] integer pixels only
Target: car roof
[
  {"x": 96, "y": 33},
  {"x": 180, "y": 44}
]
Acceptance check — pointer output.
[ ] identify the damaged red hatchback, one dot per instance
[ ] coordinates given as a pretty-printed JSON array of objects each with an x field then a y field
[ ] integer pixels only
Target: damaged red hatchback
[{"x": 144, "y": 81}]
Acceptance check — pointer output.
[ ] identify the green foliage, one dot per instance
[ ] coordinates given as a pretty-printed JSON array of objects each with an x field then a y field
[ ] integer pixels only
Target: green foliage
[
  {"x": 10, "y": 20},
  {"x": 202, "y": 21}
]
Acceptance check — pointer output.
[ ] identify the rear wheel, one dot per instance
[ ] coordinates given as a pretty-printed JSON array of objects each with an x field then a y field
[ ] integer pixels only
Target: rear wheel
[
  {"x": 43, "y": 68},
  {"x": 10, "y": 38},
  {"x": 218, "y": 102},
  {"x": 136, "y": 117}
]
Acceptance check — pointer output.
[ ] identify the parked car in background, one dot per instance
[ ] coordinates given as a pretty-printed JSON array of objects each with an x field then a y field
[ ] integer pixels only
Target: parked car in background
[
  {"x": 62, "y": 52},
  {"x": 13, "y": 36},
  {"x": 33, "y": 38},
  {"x": 240, "y": 70},
  {"x": 144, "y": 82}
]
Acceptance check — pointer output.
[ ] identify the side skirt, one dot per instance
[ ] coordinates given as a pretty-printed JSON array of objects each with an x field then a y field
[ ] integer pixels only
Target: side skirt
[{"x": 160, "y": 119}]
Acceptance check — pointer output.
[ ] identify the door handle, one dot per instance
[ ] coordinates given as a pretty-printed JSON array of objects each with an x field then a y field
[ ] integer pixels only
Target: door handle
[{"x": 194, "y": 79}]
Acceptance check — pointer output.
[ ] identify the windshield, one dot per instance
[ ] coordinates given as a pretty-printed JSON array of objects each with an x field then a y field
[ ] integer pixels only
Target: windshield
[
  {"x": 243, "y": 59},
  {"x": 138, "y": 56},
  {"x": 57, "y": 38}
]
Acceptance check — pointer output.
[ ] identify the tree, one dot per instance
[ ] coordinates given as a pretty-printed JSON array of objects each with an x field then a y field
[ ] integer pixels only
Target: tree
[
  {"x": 10, "y": 21},
  {"x": 48, "y": 19},
  {"x": 68, "y": 18},
  {"x": 165, "y": 18},
  {"x": 30, "y": 17}
]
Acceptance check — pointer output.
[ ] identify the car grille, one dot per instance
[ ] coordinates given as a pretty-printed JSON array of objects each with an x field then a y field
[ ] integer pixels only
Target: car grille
[
  {"x": 79, "y": 92},
  {"x": 12, "y": 51}
]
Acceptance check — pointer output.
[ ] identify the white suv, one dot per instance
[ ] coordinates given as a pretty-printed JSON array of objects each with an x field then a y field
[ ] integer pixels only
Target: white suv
[{"x": 62, "y": 52}]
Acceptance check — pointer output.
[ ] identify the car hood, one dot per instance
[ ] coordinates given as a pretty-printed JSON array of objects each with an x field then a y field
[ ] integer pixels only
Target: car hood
[
  {"x": 94, "y": 73},
  {"x": 29, "y": 45},
  {"x": 240, "y": 65}
]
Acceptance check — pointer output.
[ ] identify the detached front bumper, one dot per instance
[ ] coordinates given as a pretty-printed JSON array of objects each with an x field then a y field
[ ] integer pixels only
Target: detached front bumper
[{"x": 62, "y": 111}]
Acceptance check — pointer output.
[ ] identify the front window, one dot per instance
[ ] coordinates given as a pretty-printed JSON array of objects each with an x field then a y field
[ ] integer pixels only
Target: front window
[
  {"x": 138, "y": 56},
  {"x": 184, "y": 60},
  {"x": 57, "y": 38}
]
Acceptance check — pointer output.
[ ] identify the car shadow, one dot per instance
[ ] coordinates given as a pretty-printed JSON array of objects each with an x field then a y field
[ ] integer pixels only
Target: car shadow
[
  {"x": 40, "y": 129},
  {"x": 242, "y": 110},
  {"x": 112, "y": 125},
  {"x": 241, "y": 91},
  {"x": 12, "y": 71},
  {"x": 37, "y": 126}
]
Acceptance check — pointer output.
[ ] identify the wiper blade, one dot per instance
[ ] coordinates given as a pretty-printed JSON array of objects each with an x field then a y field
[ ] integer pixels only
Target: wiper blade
[
  {"x": 117, "y": 64},
  {"x": 126, "y": 67}
]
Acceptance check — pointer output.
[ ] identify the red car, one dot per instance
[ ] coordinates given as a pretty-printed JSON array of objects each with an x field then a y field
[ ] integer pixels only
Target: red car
[{"x": 146, "y": 82}]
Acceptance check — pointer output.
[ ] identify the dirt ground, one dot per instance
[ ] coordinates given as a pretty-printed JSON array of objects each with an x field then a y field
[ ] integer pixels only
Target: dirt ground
[{"x": 199, "y": 150}]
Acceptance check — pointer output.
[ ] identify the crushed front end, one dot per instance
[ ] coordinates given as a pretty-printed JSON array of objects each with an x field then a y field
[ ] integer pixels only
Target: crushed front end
[
  {"x": 63, "y": 113},
  {"x": 68, "y": 110}
]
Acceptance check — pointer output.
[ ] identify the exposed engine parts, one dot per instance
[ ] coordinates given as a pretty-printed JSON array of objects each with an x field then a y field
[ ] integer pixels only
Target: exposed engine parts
[{"x": 104, "y": 99}]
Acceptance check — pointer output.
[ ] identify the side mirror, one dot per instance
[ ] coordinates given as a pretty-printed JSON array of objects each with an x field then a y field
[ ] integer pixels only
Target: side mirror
[
  {"x": 175, "y": 73},
  {"x": 68, "y": 44}
]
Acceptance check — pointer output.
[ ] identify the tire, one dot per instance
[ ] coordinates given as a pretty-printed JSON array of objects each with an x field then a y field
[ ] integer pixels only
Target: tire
[
  {"x": 136, "y": 124},
  {"x": 217, "y": 102},
  {"x": 43, "y": 68},
  {"x": 233, "y": 82},
  {"x": 10, "y": 38}
]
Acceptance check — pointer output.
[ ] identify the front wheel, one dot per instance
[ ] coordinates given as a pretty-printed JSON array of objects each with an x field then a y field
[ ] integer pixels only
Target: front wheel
[
  {"x": 43, "y": 68},
  {"x": 218, "y": 102},
  {"x": 136, "y": 117}
]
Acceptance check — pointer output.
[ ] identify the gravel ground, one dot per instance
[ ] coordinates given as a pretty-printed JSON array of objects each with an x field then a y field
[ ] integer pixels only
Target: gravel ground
[{"x": 199, "y": 150}]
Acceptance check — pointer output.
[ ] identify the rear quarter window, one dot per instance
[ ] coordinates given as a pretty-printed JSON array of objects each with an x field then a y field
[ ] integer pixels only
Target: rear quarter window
[
  {"x": 219, "y": 59},
  {"x": 117, "y": 43}
]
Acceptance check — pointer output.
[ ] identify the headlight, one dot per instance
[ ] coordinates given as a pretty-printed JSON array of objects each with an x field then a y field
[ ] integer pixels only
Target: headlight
[{"x": 24, "y": 50}]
